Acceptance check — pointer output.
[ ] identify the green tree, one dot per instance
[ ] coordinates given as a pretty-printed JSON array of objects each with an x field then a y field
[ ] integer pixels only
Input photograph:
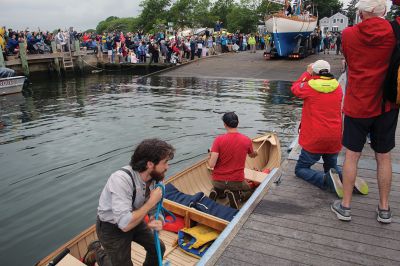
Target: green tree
[
  {"x": 325, "y": 8},
  {"x": 117, "y": 24},
  {"x": 351, "y": 11},
  {"x": 111, "y": 18},
  {"x": 102, "y": 26},
  {"x": 123, "y": 24},
  {"x": 202, "y": 16},
  {"x": 242, "y": 18},
  {"x": 221, "y": 9},
  {"x": 152, "y": 11},
  {"x": 393, "y": 13},
  {"x": 266, "y": 8},
  {"x": 181, "y": 13}
]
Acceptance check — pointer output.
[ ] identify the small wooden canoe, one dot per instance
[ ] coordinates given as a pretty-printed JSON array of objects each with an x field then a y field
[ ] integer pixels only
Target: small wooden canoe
[{"x": 196, "y": 178}]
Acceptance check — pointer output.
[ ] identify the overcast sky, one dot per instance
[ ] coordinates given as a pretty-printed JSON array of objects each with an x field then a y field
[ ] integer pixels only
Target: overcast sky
[{"x": 53, "y": 14}]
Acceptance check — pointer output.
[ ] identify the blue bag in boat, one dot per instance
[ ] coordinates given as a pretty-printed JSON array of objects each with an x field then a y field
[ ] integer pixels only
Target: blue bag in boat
[{"x": 200, "y": 202}]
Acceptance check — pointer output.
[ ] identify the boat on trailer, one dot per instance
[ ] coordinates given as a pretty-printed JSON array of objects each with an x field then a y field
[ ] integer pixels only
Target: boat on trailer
[
  {"x": 289, "y": 32},
  {"x": 196, "y": 178}
]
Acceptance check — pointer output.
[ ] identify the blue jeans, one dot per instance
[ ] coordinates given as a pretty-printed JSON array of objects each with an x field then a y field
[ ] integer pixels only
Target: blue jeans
[{"x": 308, "y": 159}]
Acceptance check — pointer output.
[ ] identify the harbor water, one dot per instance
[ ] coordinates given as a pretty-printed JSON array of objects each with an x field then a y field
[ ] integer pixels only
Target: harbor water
[{"x": 60, "y": 143}]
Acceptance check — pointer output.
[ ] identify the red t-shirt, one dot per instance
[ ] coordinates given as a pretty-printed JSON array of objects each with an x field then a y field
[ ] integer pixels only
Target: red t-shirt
[{"x": 232, "y": 149}]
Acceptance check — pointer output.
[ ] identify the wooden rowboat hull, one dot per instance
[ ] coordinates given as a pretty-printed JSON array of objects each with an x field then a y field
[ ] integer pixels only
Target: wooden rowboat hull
[{"x": 190, "y": 181}]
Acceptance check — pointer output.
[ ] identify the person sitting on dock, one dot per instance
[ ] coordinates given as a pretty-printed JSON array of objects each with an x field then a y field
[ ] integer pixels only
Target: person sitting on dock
[
  {"x": 12, "y": 45},
  {"x": 128, "y": 196},
  {"x": 227, "y": 160},
  {"x": 321, "y": 126}
]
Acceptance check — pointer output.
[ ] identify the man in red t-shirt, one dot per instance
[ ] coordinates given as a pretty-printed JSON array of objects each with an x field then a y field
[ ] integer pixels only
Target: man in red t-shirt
[{"x": 227, "y": 160}]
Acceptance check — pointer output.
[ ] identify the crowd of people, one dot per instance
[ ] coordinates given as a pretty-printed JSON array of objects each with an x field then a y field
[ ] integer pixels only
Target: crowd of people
[
  {"x": 135, "y": 47},
  {"x": 35, "y": 42},
  {"x": 138, "y": 47}
]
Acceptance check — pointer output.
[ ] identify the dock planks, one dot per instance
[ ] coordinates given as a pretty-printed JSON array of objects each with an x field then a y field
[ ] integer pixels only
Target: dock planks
[{"x": 293, "y": 224}]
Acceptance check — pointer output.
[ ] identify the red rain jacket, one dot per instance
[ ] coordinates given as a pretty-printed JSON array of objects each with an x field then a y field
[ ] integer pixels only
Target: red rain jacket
[
  {"x": 321, "y": 119},
  {"x": 367, "y": 48}
]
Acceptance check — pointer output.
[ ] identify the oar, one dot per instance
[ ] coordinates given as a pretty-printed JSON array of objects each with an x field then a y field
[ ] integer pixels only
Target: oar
[{"x": 264, "y": 139}]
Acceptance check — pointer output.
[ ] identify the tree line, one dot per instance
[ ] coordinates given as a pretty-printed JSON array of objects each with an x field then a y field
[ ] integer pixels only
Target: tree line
[{"x": 243, "y": 15}]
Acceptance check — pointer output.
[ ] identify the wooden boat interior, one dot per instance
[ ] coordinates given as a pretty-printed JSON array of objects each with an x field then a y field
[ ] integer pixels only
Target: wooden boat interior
[
  {"x": 78, "y": 245},
  {"x": 190, "y": 181},
  {"x": 198, "y": 177}
]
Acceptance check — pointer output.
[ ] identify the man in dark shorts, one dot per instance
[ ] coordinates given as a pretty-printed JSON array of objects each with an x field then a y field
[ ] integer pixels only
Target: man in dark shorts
[{"x": 367, "y": 48}]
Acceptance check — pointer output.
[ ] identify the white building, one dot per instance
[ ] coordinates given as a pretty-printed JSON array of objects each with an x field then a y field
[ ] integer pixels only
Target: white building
[{"x": 336, "y": 23}]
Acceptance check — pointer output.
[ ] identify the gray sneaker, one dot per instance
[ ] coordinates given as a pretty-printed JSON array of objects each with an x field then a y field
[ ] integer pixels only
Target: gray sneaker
[
  {"x": 332, "y": 180},
  {"x": 384, "y": 216},
  {"x": 342, "y": 213}
]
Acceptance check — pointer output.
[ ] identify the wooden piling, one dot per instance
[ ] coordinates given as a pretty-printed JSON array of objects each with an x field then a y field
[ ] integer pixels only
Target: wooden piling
[
  {"x": 24, "y": 58},
  {"x": 56, "y": 62},
  {"x": 2, "y": 63},
  {"x": 78, "y": 52}
]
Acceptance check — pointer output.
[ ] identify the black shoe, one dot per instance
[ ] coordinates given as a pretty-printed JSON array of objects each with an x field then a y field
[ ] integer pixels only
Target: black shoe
[
  {"x": 232, "y": 199},
  {"x": 213, "y": 195}
]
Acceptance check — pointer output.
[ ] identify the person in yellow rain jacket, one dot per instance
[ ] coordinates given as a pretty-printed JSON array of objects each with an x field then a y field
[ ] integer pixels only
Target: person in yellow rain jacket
[
  {"x": 252, "y": 43},
  {"x": 2, "y": 39}
]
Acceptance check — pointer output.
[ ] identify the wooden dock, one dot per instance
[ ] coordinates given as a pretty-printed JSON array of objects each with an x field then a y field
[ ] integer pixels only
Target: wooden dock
[
  {"x": 293, "y": 224},
  {"x": 79, "y": 59}
]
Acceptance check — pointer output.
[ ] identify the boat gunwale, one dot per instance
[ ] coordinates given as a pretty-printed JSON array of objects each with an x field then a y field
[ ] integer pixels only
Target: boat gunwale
[
  {"x": 70, "y": 243},
  {"x": 293, "y": 18},
  {"x": 214, "y": 252}
]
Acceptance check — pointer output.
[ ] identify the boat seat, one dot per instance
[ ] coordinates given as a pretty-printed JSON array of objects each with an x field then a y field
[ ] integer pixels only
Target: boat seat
[
  {"x": 70, "y": 260},
  {"x": 254, "y": 175}
]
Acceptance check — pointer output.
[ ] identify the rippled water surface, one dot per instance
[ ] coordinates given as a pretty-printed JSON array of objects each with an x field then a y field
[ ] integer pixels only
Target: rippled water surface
[{"x": 59, "y": 146}]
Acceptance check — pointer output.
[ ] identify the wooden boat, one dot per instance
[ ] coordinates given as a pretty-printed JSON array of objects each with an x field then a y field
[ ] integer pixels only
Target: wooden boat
[
  {"x": 286, "y": 31},
  {"x": 11, "y": 85},
  {"x": 190, "y": 181}
]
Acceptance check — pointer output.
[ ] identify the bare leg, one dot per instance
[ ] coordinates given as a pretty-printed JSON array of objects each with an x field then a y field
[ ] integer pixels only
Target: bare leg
[
  {"x": 349, "y": 175},
  {"x": 384, "y": 175}
]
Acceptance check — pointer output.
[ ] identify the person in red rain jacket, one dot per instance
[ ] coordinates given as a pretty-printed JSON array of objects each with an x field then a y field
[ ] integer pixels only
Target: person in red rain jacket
[
  {"x": 367, "y": 48},
  {"x": 321, "y": 126}
]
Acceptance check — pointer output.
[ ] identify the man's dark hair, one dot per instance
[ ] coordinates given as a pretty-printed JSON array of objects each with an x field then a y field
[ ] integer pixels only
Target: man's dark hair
[
  {"x": 150, "y": 150},
  {"x": 231, "y": 119}
]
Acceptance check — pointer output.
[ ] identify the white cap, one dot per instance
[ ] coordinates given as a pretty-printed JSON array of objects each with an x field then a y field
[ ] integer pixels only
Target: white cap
[
  {"x": 321, "y": 65},
  {"x": 372, "y": 6}
]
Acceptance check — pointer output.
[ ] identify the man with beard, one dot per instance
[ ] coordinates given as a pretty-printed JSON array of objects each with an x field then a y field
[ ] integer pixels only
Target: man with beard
[{"x": 126, "y": 199}]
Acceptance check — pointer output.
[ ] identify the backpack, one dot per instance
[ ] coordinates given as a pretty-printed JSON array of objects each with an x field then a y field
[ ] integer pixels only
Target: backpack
[{"x": 391, "y": 89}]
